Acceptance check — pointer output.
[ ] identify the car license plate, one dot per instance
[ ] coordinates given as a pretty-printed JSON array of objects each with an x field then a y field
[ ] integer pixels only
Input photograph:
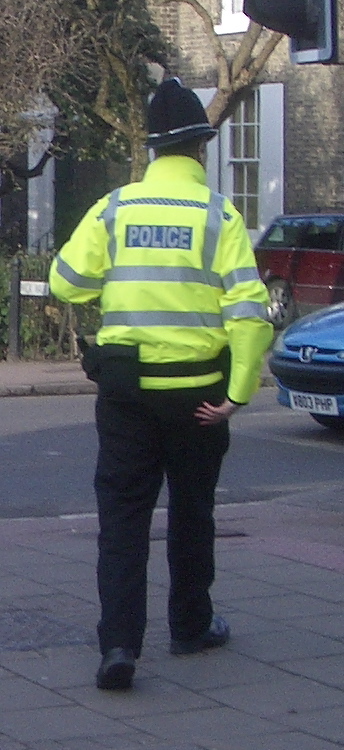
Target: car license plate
[{"x": 317, "y": 403}]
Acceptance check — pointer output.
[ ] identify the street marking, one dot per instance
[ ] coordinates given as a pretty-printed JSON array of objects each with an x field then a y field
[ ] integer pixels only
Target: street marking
[{"x": 73, "y": 516}]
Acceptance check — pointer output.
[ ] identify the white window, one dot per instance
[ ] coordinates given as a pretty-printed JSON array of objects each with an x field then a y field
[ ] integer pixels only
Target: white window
[
  {"x": 244, "y": 156},
  {"x": 251, "y": 169},
  {"x": 246, "y": 159},
  {"x": 233, "y": 20}
]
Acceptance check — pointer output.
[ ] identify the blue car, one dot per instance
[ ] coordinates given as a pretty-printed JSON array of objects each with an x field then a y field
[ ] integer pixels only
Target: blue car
[{"x": 308, "y": 363}]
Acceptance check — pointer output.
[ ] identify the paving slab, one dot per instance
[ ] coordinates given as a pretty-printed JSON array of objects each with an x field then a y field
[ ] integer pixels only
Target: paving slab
[
  {"x": 285, "y": 741},
  {"x": 15, "y": 585},
  {"x": 327, "y": 670},
  {"x": 23, "y": 694},
  {"x": 152, "y": 696},
  {"x": 210, "y": 669},
  {"x": 278, "y": 685},
  {"x": 30, "y": 628},
  {"x": 289, "y": 572},
  {"x": 229, "y": 588},
  {"x": 282, "y": 695},
  {"x": 132, "y": 741},
  {"x": 244, "y": 623},
  {"x": 53, "y": 668},
  {"x": 287, "y": 605},
  {"x": 331, "y": 625},
  {"x": 7, "y": 744},
  {"x": 274, "y": 647},
  {"x": 330, "y": 590},
  {"x": 215, "y": 726},
  {"x": 56, "y": 723},
  {"x": 325, "y": 723}
]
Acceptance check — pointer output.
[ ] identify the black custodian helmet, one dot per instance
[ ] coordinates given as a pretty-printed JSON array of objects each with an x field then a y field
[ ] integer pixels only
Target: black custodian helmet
[{"x": 176, "y": 114}]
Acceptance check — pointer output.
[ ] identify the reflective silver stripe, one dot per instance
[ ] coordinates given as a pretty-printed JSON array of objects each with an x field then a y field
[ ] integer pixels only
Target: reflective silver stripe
[
  {"x": 212, "y": 232},
  {"x": 245, "y": 310},
  {"x": 203, "y": 125},
  {"x": 76, "y": 279},
  {"x": 109, "y": 216},
  {"x": 238, "y": 276},
  {"x": 162, "y": 318},
  {"x": 177, "y": 202},
  {"x": 162, "y": 273}
]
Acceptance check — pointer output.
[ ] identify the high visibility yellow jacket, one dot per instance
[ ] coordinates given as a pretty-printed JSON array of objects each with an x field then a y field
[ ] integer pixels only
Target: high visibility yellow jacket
[{"x": 173, "y": 266}]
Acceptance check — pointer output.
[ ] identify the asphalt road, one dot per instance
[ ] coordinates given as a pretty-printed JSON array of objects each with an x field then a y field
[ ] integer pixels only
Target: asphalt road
[{"x": 48, "y": 449}]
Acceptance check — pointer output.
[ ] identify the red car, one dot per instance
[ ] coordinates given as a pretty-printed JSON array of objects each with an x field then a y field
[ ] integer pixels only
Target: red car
[{"x": 301, "y": 260}]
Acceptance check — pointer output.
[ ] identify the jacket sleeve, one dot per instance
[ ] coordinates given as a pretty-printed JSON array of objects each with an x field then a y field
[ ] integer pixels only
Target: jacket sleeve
[
  {"x": 77, "y": 272},
  {"x": 244, "y": 308}
]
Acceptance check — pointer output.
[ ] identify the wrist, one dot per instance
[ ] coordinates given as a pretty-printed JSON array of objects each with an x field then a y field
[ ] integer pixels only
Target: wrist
[
  {"x": 237, "y": 403},
  {"x": 232, "y": 407}
]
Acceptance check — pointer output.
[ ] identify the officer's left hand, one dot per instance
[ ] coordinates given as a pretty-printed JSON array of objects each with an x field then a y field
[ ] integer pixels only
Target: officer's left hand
[{"x": 207, "y": 414}]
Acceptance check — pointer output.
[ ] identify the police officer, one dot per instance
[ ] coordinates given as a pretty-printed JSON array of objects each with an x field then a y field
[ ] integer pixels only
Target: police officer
[{"x": 184, "y": 328}]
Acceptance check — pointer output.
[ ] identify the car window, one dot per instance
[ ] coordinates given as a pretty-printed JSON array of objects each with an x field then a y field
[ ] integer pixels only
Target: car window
[
  {"x": 319, "y": 233},
  {"x": 283, "y": 235}
]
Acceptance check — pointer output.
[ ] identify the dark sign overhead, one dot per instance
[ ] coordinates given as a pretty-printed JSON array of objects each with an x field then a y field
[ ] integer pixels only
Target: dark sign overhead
[
  {"x": 311, "y": 25},
  {"x": 291, "y": 17}
]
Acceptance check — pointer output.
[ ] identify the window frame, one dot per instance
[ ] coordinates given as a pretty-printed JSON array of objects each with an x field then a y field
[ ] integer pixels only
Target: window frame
[{"x": 242, "y": 199}]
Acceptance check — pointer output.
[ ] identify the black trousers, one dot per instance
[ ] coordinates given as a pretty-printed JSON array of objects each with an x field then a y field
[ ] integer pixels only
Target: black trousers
[{"x": 139, "y": 442}]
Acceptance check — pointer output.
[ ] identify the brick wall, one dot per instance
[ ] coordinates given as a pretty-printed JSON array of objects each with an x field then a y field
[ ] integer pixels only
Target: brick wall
[
  {"x": 314, "y": 104},
  {"x": 166, "y": 17},
  {"x": 192, "y": 55},
  {"x": 314, "y": 137}
]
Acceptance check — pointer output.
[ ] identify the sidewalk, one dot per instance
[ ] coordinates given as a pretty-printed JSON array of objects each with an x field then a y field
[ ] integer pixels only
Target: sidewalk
[
  {"x": 56, "y": 378},
  {"x": 43, "y": 379},
  {"x": 279, "y": 685}
]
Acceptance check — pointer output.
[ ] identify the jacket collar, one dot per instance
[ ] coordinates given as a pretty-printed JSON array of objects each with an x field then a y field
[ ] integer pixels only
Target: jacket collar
[{"x": 171, "y": 168}]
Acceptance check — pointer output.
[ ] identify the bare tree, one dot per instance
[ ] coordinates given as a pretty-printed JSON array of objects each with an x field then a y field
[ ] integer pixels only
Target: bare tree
[
  {"x": 107, "y": 92},
  {"x": 37, "y": 43},
  {"x": 92, "y": 57},
  {"x": 34, "y": 47},
  {"x": 125, "y": 41},
  {"x": 237, "y": 75}
]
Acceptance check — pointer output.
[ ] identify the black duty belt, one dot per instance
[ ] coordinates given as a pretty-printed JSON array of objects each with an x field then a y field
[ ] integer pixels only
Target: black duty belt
[
  {"x": 98, "y": 359},
  {"x": 179, "y": 369}
]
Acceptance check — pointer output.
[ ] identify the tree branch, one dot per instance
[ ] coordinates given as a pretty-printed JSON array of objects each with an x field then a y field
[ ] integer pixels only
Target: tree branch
[
  {"x": 224, "y": 84},
  {"x": 258, "y": 63},
  {"x": 221, "y": 59},
  {"x": 12, "y": 171},
  {"x": 37, "y": 171},
  {"x": 237, "y": 74},
  {"x": 244, "y": 52},
  {"x": 136, "y": 119},
  {"x": 101, "y": 107}
]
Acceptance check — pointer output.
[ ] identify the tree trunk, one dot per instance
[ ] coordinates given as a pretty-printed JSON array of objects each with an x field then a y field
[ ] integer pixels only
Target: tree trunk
[{"x": 139, "y": 159}]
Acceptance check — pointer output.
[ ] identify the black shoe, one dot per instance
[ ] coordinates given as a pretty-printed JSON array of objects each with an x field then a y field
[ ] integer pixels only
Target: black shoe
[
  {"x": 217, "y": 635},
  {"x": 116, "y": 670}
]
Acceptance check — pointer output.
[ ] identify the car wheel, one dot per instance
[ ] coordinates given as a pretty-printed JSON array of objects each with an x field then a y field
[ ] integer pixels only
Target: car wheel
[
  {"x": 282, "y": 309},
  {"x": 334, "y": 423}
]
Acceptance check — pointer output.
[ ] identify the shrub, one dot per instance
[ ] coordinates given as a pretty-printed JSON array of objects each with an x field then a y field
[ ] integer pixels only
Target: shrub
[
  {"x": 47, "y": 326},
  {"x": 4, "y": 305}
]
